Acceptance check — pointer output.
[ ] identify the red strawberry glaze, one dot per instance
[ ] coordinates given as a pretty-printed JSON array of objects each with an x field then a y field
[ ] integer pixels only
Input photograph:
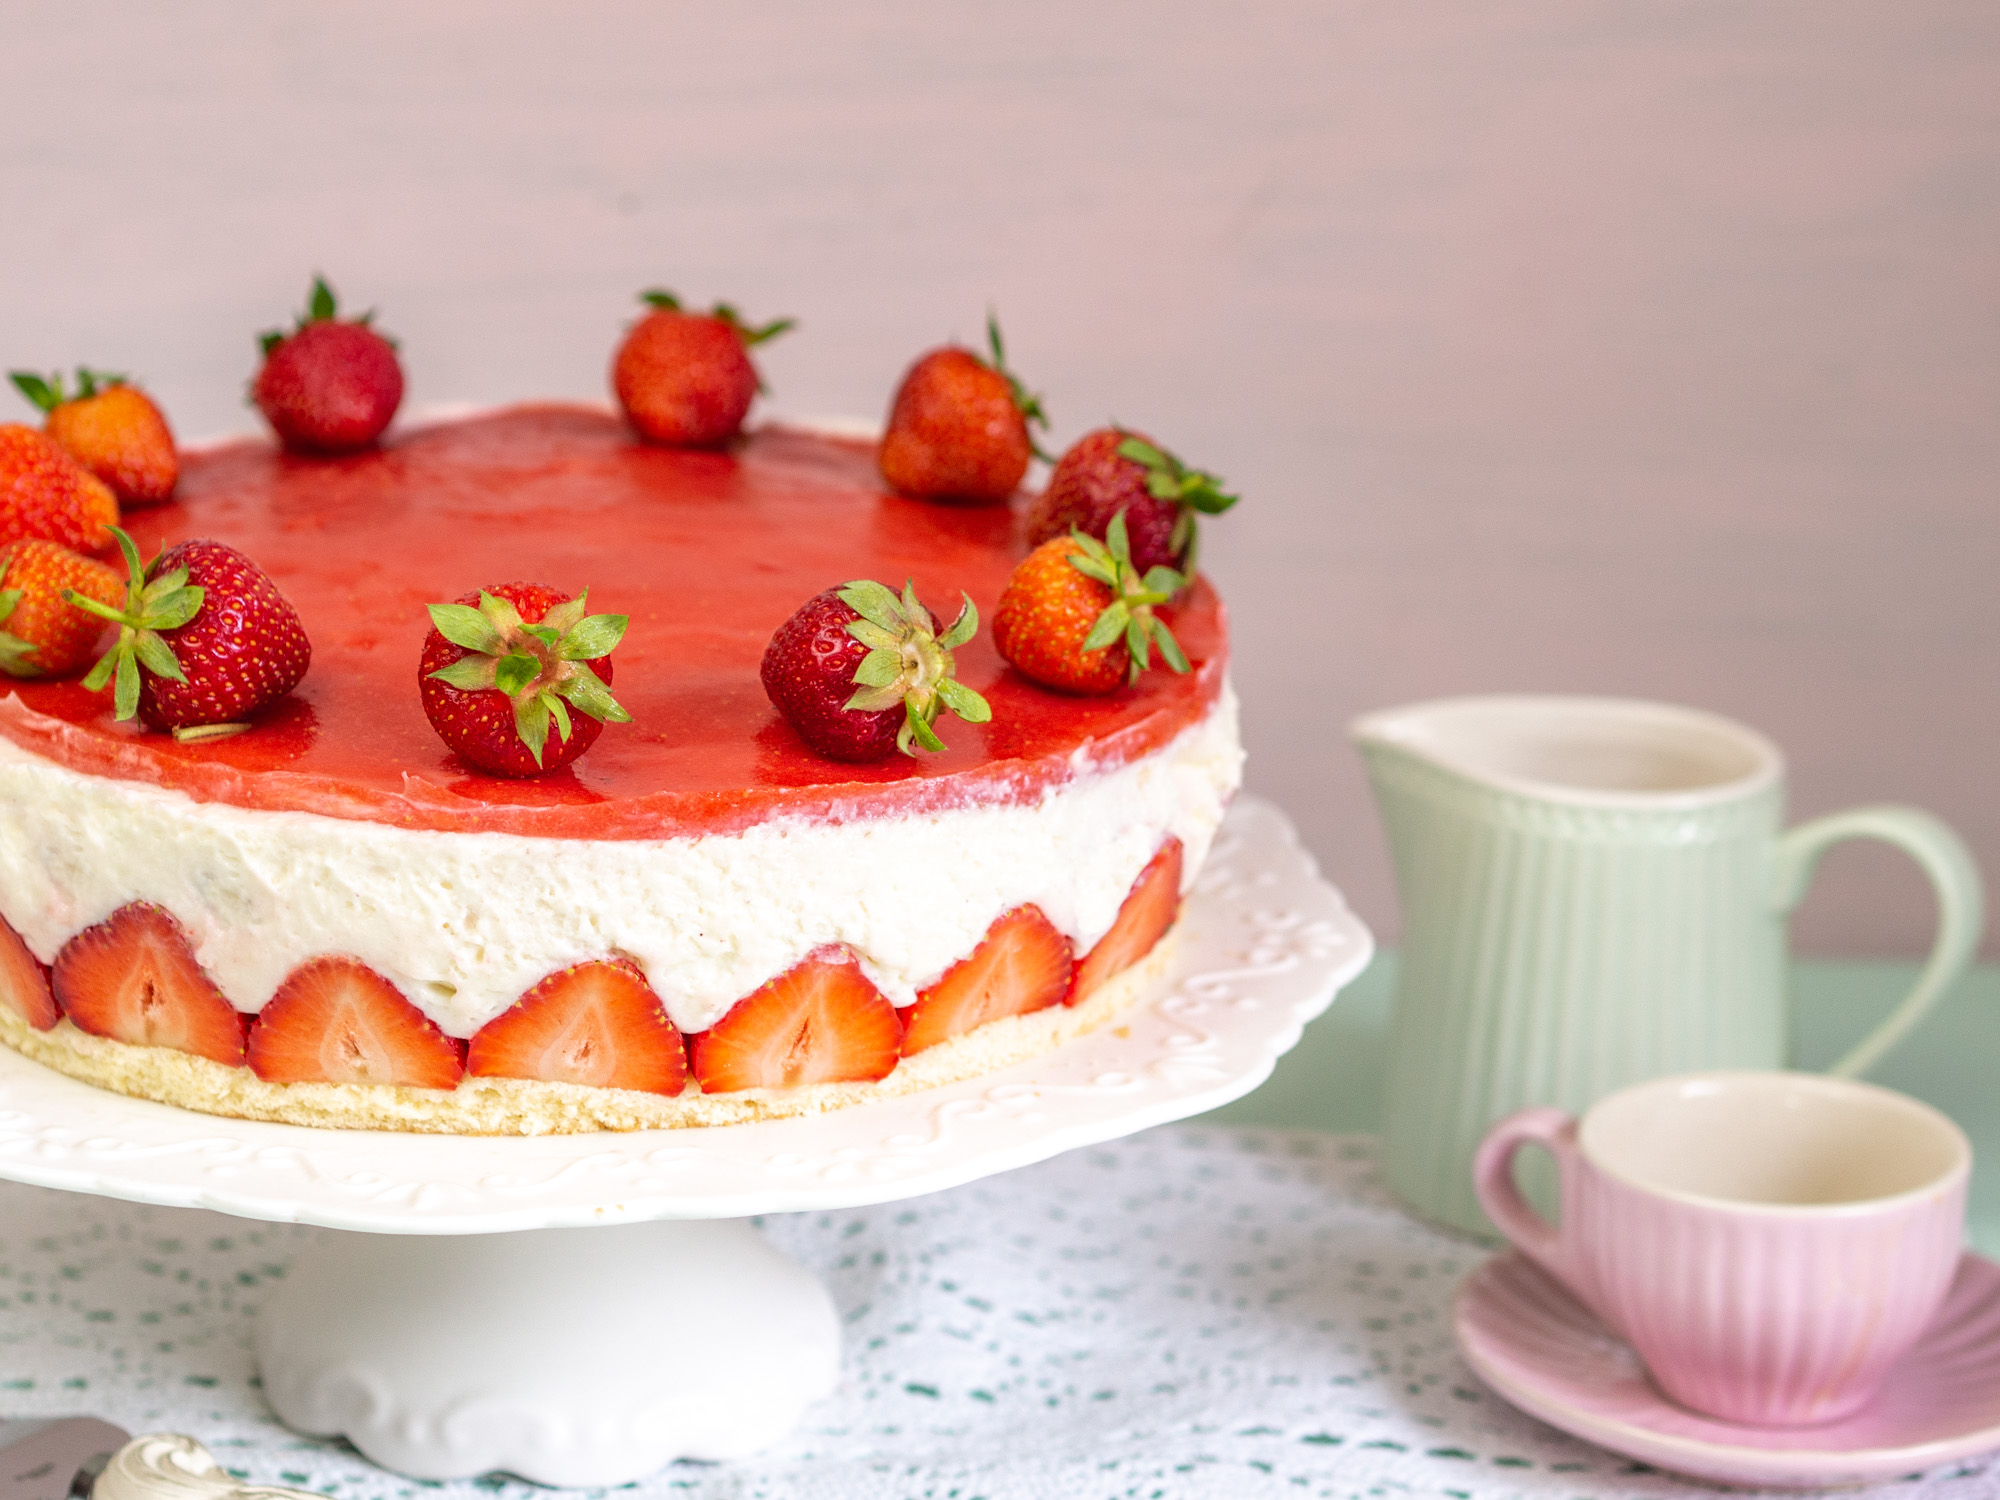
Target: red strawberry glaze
[{"x": 707, "y": 552}]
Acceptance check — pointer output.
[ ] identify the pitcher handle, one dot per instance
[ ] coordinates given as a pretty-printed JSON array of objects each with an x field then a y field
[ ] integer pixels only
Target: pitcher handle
[{"x": 1961, "y": 903}]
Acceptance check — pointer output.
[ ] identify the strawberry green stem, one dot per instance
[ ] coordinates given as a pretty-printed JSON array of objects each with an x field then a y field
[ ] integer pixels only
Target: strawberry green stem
[
  {"x": 909, "y": 663},
  {"x": 151, "y": 606},
  {"x": 1130, "y": 613},
  {"x": 542, "y": 669}
]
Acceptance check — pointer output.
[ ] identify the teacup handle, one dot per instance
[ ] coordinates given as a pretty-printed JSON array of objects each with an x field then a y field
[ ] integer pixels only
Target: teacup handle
[
  {"x": 1493, "y": 1182},
  {"x": 1961, "y": 901}
]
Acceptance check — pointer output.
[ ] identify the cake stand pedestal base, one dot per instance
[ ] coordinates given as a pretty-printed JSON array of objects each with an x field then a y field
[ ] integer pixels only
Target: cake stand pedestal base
[{"x": 566, "y": 1356}]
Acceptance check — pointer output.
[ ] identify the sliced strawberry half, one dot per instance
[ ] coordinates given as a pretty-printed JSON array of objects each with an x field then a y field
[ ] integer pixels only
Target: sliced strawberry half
[
  {"x": 24, "y": 984},
  {"x": 1149, "y": 910},
  {"x": 1022, "y": 964},
  {"x": 820, "y": 1021},
  {"x": 133, "y": 978},
  {"x": 597, "y": 1023},
  {"x": 335, "y": 1020}
]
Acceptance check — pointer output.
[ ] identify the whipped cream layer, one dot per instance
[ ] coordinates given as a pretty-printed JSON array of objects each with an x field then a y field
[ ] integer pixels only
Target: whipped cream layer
[{"x": 463, "y": 923}]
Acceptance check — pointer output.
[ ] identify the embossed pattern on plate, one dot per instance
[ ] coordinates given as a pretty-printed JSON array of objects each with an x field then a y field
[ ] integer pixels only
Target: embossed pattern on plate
[{"x": 1265, "y": 943}]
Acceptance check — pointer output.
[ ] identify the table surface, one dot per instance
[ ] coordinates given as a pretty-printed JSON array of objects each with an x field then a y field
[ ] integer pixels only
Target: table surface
[{"x": 1333, "y": 1079}]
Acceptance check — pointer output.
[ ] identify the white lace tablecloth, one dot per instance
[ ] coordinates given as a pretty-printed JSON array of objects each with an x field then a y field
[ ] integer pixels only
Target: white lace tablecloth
[{"x": 1194, "y": 1312}]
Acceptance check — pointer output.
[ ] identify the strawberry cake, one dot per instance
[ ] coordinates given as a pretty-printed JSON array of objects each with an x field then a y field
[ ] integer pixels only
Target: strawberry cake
[{"x": 331, "y": 919}]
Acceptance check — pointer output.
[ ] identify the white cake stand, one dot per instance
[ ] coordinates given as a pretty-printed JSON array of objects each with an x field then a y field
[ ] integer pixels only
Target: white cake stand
[{"x": 444, "y": 1349}]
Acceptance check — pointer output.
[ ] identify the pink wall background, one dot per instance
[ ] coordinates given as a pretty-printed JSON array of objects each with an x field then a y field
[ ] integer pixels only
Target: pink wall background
[{"x": 1649, "y": 348}]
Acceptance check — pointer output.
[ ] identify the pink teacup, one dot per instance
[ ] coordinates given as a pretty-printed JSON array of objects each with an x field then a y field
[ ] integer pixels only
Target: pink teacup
[{"x": 1770, "y": 1243}]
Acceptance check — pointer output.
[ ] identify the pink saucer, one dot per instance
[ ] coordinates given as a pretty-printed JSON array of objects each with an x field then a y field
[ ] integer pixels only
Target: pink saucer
[{"x": 1535, "y": 1344}]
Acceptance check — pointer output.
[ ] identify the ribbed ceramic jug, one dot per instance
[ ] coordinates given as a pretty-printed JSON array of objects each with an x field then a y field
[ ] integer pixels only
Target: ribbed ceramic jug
[{"x": 1594, "y": 893}]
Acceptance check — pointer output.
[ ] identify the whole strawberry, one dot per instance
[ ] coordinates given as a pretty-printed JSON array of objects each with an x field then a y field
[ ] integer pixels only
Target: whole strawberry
[
  {"x": 860, "y": 672},
  {"x": 45, "y": 493},
  {"x": 958, "y": 428},
  {"x": 504, "y": 666},
  {"x": 204, "y": 640},
  {"x": 41, "y": 633},
  {"x": 112, "y": 428},
  {"x": 685, "y": 378},
  {"x": 1112, "y": 470},
  {"x": 1076, "y": 615},
  {"x": 331, "y": 384}
]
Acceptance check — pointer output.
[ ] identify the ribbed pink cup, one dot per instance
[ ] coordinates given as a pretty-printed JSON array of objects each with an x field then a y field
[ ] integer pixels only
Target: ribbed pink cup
[{"x": 1769, "y": 1243}]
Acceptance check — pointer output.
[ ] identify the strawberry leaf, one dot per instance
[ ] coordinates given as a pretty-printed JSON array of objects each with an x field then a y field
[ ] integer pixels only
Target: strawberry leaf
[
  {"x": 17, "y": 657},
  {"x": 873, "y": 636},
  {"x": 879, "y": 668},
  {"x": 100, "y": 673},
  {"x": 592, "y": 637},
  {"x": 125, "y": 692},
  {"x": 874, "y": 603},
  {"x": 156, "y": 656},
  {"x": 135, "y": 569},
  {"x": 531, "y": 723},
  {"x": 269, "y": 340},
  {"x": 174, "y": 609},
  {"x": 322, "y": 305},
  {"x": 1090, "y": 567},
  {"x": 465, "y": 626},
  {"x": 548, "y": 635},
  {"x": 963, "y": 628},
  {"x": 500, "y": 611},
  {"x": 1028, "y": 404},
  {"x": 1108, "y": 627},
  {"x": 872, "y": 700},
  {"x": 1169, "y": 647},
  {"x": 755, "y": 336},
  {"x": 1138, "y": 649},
  {"x": 587, "y": 693},
  {"x": 963, "y": 701},
  {"x": 514, "y": 671},
  {"x": 917, "y": 727},
  {"x": 560, "y": 713},
  {"x": 664, "y": 301},
  {"x": 1142, "y": 452},
  {"x": 564, "y": 616},
  {"x": 470, "y": 674},
  {"x": 45, "y": 395}
]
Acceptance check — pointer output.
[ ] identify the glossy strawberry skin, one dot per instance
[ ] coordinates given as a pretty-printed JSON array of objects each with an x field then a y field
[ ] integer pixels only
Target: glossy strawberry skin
[
  {"x": 479, "y": 726},
  {"x": 63, "y": 635},
  {"x": 335, "y": 1020},
  {"x": 1091, "y": 483},
  {"x": 1148, "y": 911},
  {"x": 593, "y": 1023},
  {"x": 133, "y": 977},
  {"x": 808, "y": 673},
  {"x": 330, "y": 387},
  {"x": 46, "y": 493},
  {"x": 244, "y": 648},
  {"x": 1045, "y": 614},
  {"x": 122, "y": 437},
  {"x": 24, "y": 983},
  {"x": 955, "y": 432},
  {"x": 684, "y": 379}
]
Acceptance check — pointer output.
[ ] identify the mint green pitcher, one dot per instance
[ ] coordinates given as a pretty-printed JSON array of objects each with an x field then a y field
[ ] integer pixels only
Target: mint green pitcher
[{"x": 1594, "y": 893}]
